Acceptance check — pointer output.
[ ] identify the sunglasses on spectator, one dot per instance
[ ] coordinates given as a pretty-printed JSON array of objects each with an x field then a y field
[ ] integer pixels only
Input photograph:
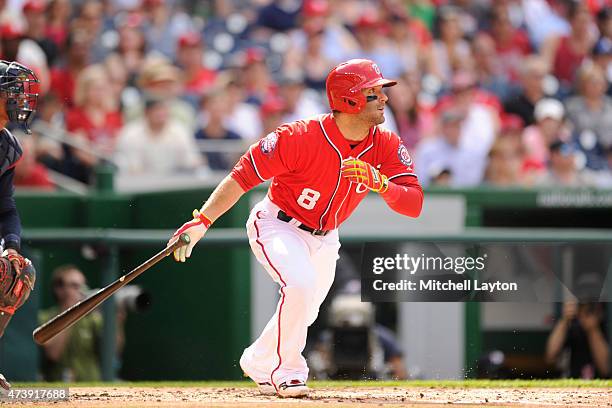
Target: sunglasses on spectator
[{"x": 71, "y": 285}]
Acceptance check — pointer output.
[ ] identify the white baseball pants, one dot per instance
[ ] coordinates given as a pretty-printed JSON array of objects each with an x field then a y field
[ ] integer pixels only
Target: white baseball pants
[{"x": 304, "y": 266}]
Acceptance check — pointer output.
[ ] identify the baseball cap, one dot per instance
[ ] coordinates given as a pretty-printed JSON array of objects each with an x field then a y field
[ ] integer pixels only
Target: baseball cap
[
  {"x": 10, "y": 31},
  {"x": 368, "y": 20},
  {"x": 35, "y": 6},
  {"x": 549, "y": 108},
  {"x": 315, "y": 8},
  {"x": 271, "y": 106},
  {"x": 190, "y": 39}
]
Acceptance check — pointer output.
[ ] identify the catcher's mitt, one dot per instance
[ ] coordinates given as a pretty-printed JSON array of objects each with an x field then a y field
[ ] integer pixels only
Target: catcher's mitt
[{"x": 15, "y": 287}]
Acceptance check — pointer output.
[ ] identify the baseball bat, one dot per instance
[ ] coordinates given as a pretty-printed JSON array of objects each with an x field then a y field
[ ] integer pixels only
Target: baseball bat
[{"x": 47, "y": 331}]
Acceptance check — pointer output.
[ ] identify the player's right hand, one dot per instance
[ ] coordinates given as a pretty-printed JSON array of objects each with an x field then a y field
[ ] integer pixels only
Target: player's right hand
[{"x": 196, "y": 229}]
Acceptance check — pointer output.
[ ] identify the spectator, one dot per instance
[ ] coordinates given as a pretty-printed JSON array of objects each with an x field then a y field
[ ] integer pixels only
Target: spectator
[
  {"x": 58, "y": 17},
  {"x": 604, "y": 22},
  {"x": 591, "y": 109},
  {"x": 36, "y": 23},
  {"x": 446, "y": 151},
  {"x": 89, "y": 21},
  {"x": 94, "y": 121},
  {"x": 601, "y": 56},
  {"x": 163, "y": 26},
  {"x": 414, "y": 121},
  {"x": 450, "y": 52},
  {"x": 409, "y": 41},
  {"x": 213, "y": 114},
  {"x": 506, "y": 158},
  {"x": 258, "y": 83},
  {"x": 299, "y": 102},
  {"x": 533, "y": 72},
  {"x": 563, "y": 168},
  {"x": 15, "y": 46},
  {"x": 271, "y": 113},
  {"x": 157, "y": 144},
  {"x": 337, "y": 40},
  {"x": 73, "y": 354},
  {"x": 160, "y": 79},
  {"x": 311, "y": 59},
  {"x": 487, "y": 67},
  {"x": 197, "y": 79},
  {"x": 95, "y": 115},
  {"x": 512, "y": 44},
  {"x": 479, "y": 108},
  {"x": 565, "y": 54},
  {"x": 545, "y": 19},
  {"x": 581, "y": 331},
  {"x": 537, "y": 138},
  {"x": 63, "y": 76},
  {"x": 374, "y": 46},
  {"x": 130, "y": 50},
  {"x": 243, "y": 118}
]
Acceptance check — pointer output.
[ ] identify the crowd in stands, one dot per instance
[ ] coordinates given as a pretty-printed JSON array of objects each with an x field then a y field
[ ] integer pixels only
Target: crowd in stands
[{"x": 501, "y": 93}]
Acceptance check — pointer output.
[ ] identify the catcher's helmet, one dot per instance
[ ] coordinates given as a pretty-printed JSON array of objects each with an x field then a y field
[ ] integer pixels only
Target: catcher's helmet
[
  {"x": 18, "y": 85},
  {"x": 345, "y": 82}
]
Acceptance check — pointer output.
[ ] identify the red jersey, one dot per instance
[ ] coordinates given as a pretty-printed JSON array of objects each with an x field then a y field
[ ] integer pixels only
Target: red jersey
[{"x": 304, "y": 160}]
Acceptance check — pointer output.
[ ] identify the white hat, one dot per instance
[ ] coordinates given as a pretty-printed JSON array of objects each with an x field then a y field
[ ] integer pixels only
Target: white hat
[{"x": 549, "y": 108}]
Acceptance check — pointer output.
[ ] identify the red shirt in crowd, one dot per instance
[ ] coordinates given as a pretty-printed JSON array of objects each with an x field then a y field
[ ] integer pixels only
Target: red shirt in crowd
[
  {"x": 63, "y": 83},
  {"x": 567, "y": 61},
  {"x": 512, "y": 53},
  {"x": 204, "y": 79},
  {"x": 304, "y": 160},
  {"x": 37, "y": 177},
  {"x": 77, "y": 120}
]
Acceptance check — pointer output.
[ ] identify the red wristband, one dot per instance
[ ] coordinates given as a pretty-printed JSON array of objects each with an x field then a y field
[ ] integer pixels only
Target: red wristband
[{"x": 203, "y": 219}]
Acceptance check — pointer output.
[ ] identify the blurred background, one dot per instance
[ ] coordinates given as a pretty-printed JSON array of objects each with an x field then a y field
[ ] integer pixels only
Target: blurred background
[{"x": 146, "y": 104}]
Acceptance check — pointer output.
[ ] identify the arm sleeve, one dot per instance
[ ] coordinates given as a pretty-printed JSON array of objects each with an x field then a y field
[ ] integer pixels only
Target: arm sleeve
[
  {"x": 271, "y": 156},
  {"x": 405, "y": 194},
  {"x": 10, "y": 224}
]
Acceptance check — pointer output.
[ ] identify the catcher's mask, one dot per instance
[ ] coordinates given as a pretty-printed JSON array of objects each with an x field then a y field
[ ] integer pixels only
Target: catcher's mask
[
  {"x": 14, "y": 289},
  {"x": 19, "y": 85}
]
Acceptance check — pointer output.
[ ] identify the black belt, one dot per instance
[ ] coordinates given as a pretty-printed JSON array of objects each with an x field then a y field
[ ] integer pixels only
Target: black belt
[{"x": 284, "y": 217}]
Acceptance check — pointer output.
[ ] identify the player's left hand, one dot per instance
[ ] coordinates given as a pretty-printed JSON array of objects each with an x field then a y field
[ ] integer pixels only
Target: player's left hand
[
  {"x": 358, "y": 171},
  {"x": 196, "y": 229}
]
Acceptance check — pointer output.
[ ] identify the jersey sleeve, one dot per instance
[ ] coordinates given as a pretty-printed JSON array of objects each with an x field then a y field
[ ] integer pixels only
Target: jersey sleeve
[
  {"x": 405, "y": 194},
  {"x": 396, "y": 162},
  {"x": 271, "y": 156}
]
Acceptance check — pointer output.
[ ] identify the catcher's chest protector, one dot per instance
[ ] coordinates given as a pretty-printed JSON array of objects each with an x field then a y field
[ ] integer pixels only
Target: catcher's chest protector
[
  {"x": 10, "y": 151},
  {"x": 14, "y": 289}
]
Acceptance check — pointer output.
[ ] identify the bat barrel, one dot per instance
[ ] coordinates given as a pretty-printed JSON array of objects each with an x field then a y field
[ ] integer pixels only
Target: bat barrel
[{"x": 70, "y": 316}]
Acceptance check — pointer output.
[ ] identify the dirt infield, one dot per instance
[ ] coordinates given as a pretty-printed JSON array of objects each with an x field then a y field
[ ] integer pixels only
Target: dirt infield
[{"x": 331, "y": 396}]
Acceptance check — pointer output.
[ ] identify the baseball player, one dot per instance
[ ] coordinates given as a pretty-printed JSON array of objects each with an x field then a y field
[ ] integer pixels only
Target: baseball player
[
  {"x": 17, "y": 105},
  {"x": 321, "y": 168}
]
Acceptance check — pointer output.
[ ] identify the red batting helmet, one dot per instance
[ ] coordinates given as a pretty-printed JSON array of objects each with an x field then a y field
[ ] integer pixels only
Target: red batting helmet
[{"x": 345, "y": 82}]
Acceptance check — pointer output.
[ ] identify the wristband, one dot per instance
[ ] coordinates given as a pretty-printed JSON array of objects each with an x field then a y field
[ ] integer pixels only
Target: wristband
[{"x": 202, "y": 218}]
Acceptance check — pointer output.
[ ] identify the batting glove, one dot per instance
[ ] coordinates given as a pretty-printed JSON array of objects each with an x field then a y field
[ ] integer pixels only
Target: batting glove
[
  {"x": 358, "y": 171},
  {"x": 196, "y": 229}
]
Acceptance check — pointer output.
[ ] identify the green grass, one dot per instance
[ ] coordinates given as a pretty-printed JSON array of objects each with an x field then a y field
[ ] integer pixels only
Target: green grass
[{"x": 562, "y": 383}]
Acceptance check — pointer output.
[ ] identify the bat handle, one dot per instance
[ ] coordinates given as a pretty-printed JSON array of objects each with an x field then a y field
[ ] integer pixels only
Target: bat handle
[{"x": 182, "y": 240}]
